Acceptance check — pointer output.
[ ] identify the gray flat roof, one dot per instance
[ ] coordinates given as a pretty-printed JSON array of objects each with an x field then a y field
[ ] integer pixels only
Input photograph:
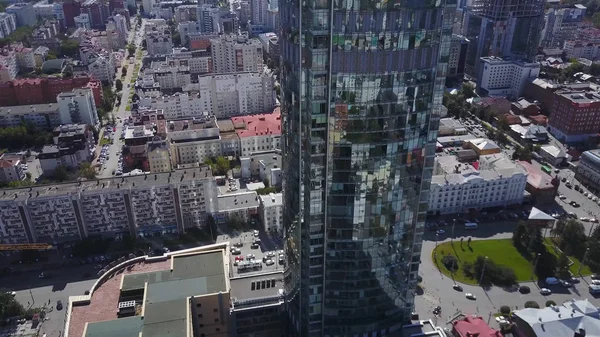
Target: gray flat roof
[
  {"x": 29, "y": 109},
  {"x": 242, "y": 200},
  {"x": 124, "y": 327},
  {"x": 114, "y": 183},
  {"x": 165, "y": 319},
  {"x": 241, "y": 287}
]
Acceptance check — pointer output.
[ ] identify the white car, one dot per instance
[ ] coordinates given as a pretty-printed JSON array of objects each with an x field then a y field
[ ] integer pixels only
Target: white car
[
  {"x": 269, "y": 262},
  {"x": 470, "y": 296},
  {"x": 250, "y": 257},
  {"x": 590, "y": 196},
  {"x": 545, "y": 291},
  {"x": 595, "y": 282},
  {"x": 594, "y": 199},
  {"x": 562, "y": 197},
  {"x": 256, "y": 233},
  {"x": 584, "y": 219}
]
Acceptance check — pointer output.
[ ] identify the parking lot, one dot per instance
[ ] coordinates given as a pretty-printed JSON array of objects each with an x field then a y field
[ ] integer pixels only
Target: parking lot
[
  {"x": 259, "y": 255},
  {"x": 110, "y": 157}
]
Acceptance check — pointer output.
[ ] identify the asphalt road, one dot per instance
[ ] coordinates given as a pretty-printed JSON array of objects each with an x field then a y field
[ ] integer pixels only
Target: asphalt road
[
  {"x": 34, "y": 292},
  {"x": 436, "y": 288}
]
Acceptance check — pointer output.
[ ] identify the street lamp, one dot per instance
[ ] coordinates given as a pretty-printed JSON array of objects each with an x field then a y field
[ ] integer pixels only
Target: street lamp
[
  {"x": 453, "y": 224},
  {"x": 583, "y": 260},
  {"x": 483, "y": 270},
  {"x": 537, "y": 258}
]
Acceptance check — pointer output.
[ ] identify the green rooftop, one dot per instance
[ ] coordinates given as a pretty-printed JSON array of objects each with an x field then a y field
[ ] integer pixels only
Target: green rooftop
[
  {"x": 166, "y": 297},
  {"x": 124, "y": 327}
]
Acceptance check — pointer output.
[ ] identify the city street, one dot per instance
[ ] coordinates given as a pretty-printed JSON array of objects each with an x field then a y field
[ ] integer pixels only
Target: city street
[
  {"x": 436, "y": 288},
  {"x": 34, "y": 292}
]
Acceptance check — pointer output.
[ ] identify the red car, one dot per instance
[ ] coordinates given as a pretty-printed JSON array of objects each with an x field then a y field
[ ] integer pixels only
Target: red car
[{"x": 239, "y": 258}]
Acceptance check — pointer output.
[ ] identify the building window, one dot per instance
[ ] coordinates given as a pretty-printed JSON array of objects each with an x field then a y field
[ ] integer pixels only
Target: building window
[
  {"x": 216, "y": 320},
  {"x": 216, "y": 310}
]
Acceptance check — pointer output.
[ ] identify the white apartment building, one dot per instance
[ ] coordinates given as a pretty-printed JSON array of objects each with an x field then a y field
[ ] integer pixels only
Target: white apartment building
[
  {"x": 12, "y": 226},
  {"x": 129, "y": 205},
  {"x": 499, "y": 77},
  {"x": 581, "y": 49},
  {"x": 9, "y": 67},
  {"x": 209, "y": 18},
  {"x": 121, "y": 25},
  {"x": 169, "y": 77},
  {"x": 458, "y": 187},
  {"x": 199, "y": 62},
  {"x": 11, "y": 168},
  {"x": 258, "y": 133},
  {"x": 77, "y": 107},
  {"x": 176, "y": 106},
  {"x": 159, "y": 158},
  {"x": 159, "y": 41},
  {"x": 8, "y": 24},
  {"x": 237, "y": 94},
  {"x": 271, "y": 212},
  {"x": 44, "y": 116},
  {"x": 192, "y": 141},
  {"x": 52, "y": 215},
  {"x": 104, "y": 211},
  {"x": 236, "y": 53},
  {"x": 73, "y": 144},
  {"x": 103, "y": 68}
]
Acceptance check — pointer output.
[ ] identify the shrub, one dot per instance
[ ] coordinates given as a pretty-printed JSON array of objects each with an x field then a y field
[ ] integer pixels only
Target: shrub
[
  {"x": 468, "y": 269},
  {"x": 550, "y": 303},
  {"x": 450, "y": 262},
  {"x": 532, "y": 304},
  {"x": 505, "y": 310}
]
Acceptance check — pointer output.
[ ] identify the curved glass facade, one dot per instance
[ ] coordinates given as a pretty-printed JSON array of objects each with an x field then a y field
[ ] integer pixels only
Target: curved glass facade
[{"x": 362, "y": 84}]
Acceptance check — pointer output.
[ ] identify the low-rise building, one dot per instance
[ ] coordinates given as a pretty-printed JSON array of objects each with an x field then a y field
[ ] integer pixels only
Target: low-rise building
[
  {"x": 159, "y": 41},
  {"x": 482, "y": 146},
  {"x": 529, "y": 134},
  {"x": 542, "y": 187},
  {"x": 159, "y": 159},
  {"x": 258, "y": 133},
  {"x": 11, "y": 169},
  {"x": 265, "y": 166},
  {"x": 553, "y": 155},
  {"x": 193, "y": 140},
  {"x": 271, "y": 212},
  {"x": 578, "y": 318},
  {"x": 73, "y": 144},
  {"x": 575, "y": 115},
  {"x": 242, "y": 206},
  {"x": 460, "y": 187},
  {"x": 451, "y": 126},
  {"x": 504, "y": 77}
]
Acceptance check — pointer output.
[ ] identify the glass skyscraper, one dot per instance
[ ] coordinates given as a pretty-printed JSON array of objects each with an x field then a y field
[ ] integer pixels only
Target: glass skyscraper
[{"x": 362, "y": 84}]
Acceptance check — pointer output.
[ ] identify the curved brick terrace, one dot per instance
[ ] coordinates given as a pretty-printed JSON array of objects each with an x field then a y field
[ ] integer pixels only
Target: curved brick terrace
[{"x": 104, "y": 301}]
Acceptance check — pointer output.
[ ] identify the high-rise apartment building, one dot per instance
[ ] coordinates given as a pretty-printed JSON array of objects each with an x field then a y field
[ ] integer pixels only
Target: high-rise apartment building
[
  {"x": 562, "y": 24},
  {"x": 502, "y": 28},
  {"x": 361, "y": 87},
  {"x": 236, "y": 53}
]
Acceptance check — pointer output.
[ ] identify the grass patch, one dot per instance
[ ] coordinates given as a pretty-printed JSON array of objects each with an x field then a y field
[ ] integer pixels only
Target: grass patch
[
  {"x": 585, "y": 270},
  {"x": 105, "y": 141},
  {"x": 502, "y": 252},
  {"x": 128, "y": 107}
]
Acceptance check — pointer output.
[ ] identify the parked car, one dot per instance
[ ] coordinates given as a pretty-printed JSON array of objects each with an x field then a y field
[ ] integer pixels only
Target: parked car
[
  {"x": 59, "y": 305},
  {"x": 552, "y": 280},
  {"x": 545, "y": 291}
]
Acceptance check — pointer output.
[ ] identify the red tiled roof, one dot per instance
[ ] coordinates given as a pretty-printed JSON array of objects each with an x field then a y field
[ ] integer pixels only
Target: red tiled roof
[
  {"x": 199, "y": 44},
  {"x": 474, "y": 327},
  {"x": 258, "y": 125},
  {"x": 6, "y": 163}
]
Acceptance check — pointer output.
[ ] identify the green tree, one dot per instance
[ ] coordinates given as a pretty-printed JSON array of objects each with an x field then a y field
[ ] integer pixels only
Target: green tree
[
  {"x": 562, "y": 267},
  {"x": 596, "y": 20},
  {"x": 69, "y": 48},
  {"x": 9, "y": 307},
  {"x": 520, "y": 235},
  {"x": 61, "y": 173},
  {"x": 176, "y": 38},
  {"x": 118, "y": 85},
  {"x": 467, "y": 90},
  {"x": 222, "y": 165},
  {"x": 572, "y": 240},
  {"x": 595, "y": 69},
  {"x": 131, "y": 49},
  {"x": 86, "y": 170}
]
